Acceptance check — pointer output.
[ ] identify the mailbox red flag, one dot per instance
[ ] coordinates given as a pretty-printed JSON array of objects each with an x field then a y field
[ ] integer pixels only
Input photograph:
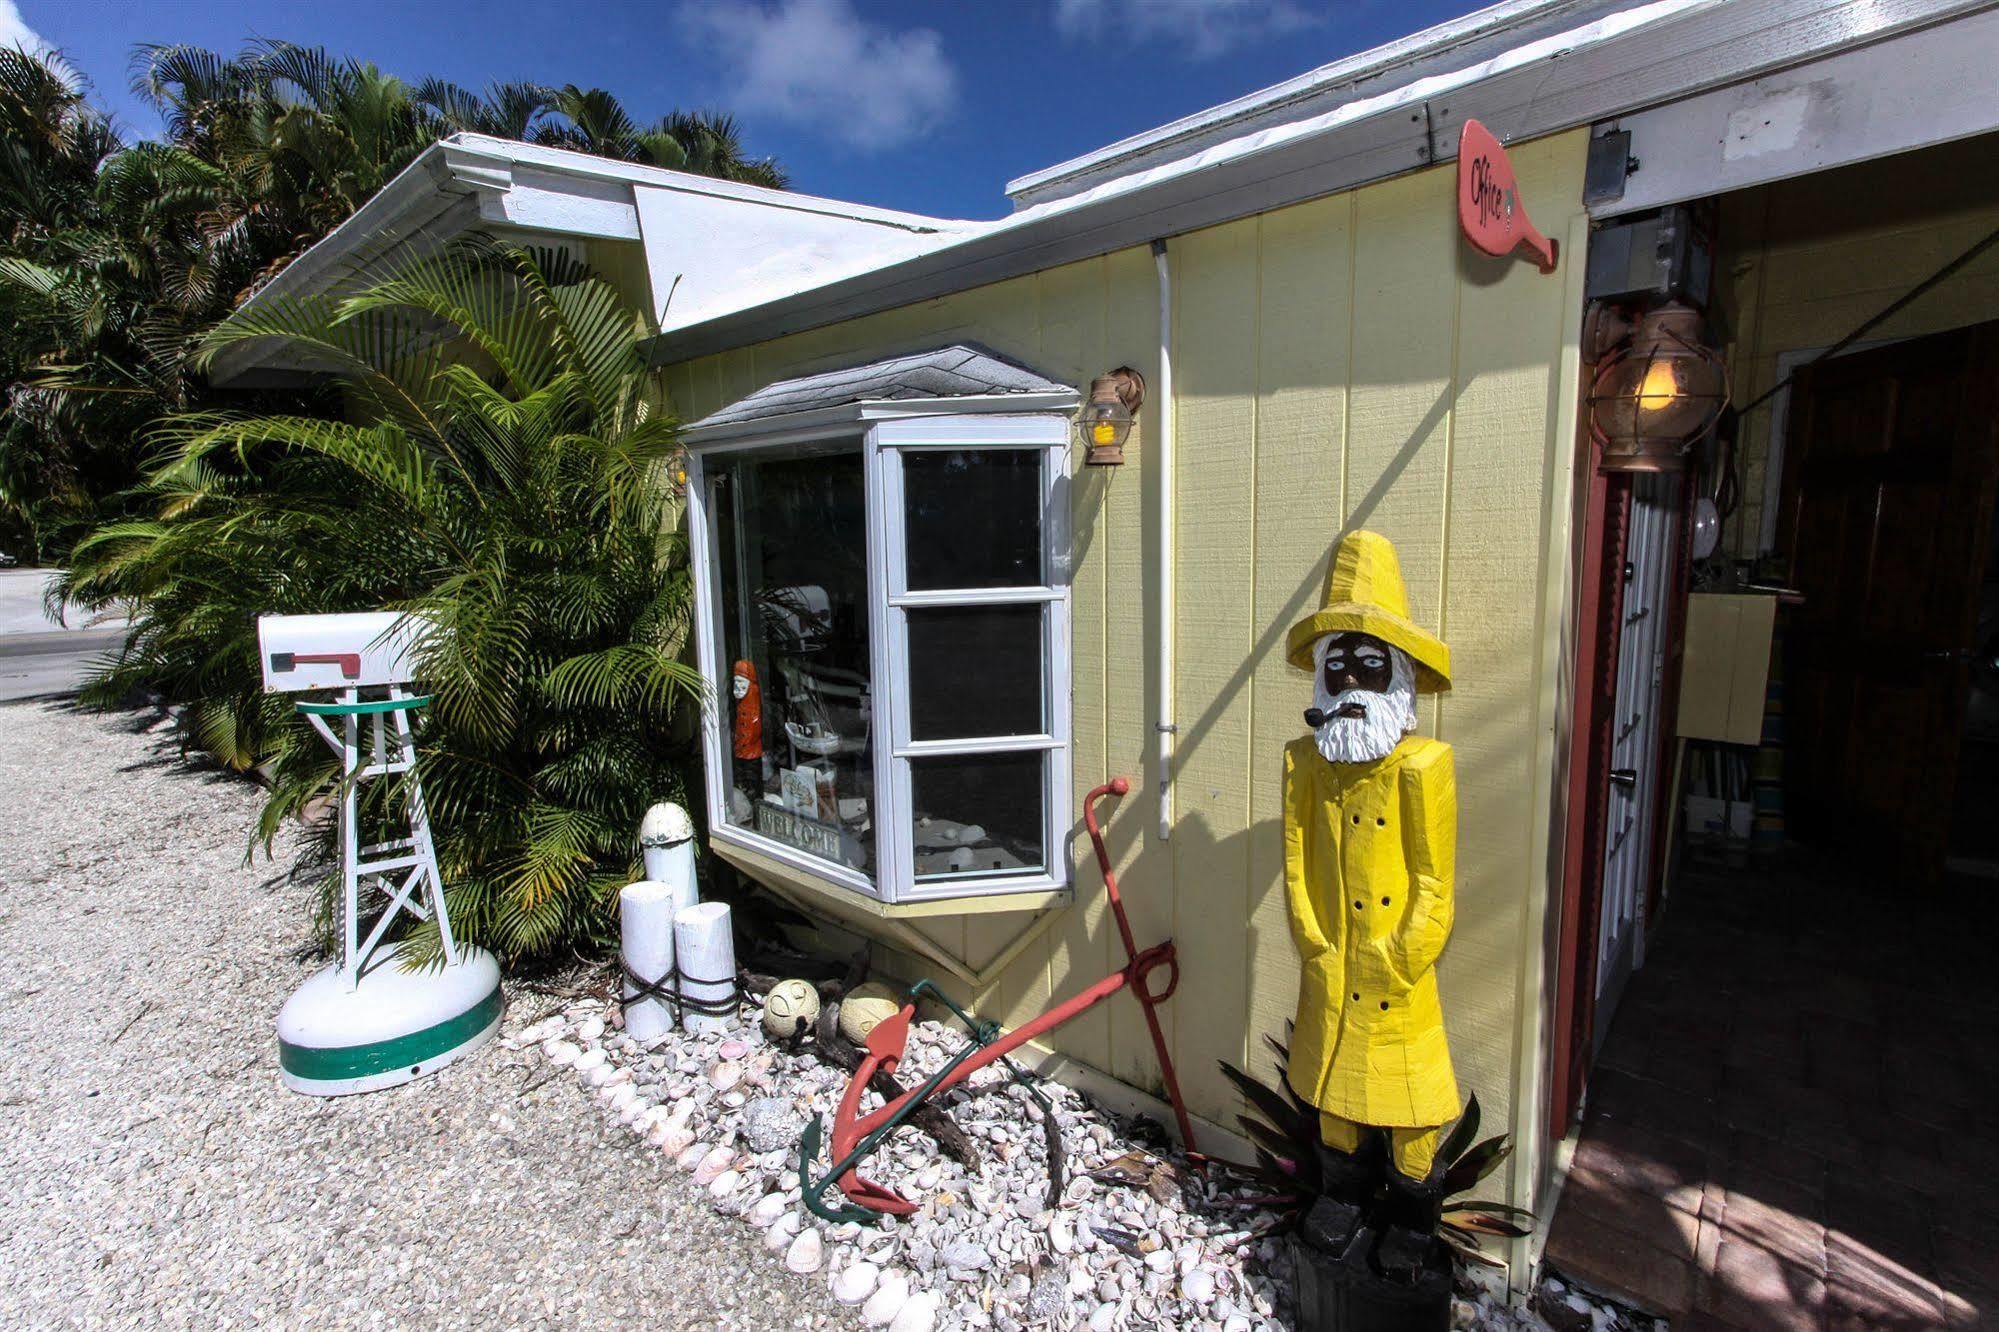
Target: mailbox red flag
[{"x": 1489, "y": 207}]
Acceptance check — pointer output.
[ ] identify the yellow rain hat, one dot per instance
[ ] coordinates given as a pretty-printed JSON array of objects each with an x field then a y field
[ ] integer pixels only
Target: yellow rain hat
[{"x": 1364, "y": 595}]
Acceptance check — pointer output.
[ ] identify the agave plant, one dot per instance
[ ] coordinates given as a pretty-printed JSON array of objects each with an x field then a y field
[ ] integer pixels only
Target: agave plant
[
  {"x": 1286, "y": 1142},
  {"x": 494, "y": 462}
]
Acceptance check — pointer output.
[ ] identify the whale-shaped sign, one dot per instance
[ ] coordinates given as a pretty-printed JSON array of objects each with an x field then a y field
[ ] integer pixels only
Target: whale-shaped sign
[{"x": 1489, "y": 207}]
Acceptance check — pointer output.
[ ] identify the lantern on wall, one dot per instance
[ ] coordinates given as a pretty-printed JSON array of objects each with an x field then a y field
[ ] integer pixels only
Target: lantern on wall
[
  {"x": 1659, "y": 387},
  {"x": 1106, "y": 418}
]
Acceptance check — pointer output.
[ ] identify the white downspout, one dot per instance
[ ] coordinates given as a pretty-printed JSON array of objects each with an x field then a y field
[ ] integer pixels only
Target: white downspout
[{"x": 1163, "y": 449}]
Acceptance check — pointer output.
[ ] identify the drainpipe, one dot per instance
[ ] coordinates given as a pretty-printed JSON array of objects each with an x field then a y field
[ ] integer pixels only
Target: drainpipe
[{"x": 1163, "y": 452}]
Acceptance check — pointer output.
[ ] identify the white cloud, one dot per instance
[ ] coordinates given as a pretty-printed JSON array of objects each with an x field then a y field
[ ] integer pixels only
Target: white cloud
[
  {"x": 818, "y": 63},
  {"x": 14, "y": 30},
  {"x": 1201, "y": 28}
]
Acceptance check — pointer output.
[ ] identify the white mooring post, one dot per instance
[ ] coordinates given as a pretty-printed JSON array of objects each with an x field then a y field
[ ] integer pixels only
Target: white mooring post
[
  {"x": 704, "y": 946},
  {"x": 366, "y": 1021},
  {"x": 645, "y": 915}
]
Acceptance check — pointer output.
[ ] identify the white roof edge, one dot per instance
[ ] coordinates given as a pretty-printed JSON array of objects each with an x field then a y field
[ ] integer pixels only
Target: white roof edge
[
  {"x": 461, "y": 166},
  {"x": 569, "y": 162},
  {"x": 1362, "y": 65},
  {"x": 1643, "y": 55},
  {"x": 698, "y": 435}
]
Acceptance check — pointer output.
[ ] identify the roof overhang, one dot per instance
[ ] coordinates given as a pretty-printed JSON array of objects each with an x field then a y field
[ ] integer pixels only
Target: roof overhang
[
  {"x": 708, "y": 233},
  {"x": 1612, "y": 65},
  {"x": 957, "y": 379},
  {"x": 831, "y": 420}
]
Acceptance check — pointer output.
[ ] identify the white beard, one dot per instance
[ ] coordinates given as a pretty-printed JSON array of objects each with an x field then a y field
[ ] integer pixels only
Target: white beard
[{"x": 1387, "y": 716}]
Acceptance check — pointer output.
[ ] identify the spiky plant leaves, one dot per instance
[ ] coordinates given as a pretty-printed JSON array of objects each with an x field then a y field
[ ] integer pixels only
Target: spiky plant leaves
[
  {"x": 1475, "y": 1165},
  {"x": 1462, "y": 1132}
]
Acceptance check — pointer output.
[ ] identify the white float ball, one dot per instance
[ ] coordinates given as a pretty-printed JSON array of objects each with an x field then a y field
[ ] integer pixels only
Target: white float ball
[{"x": 790, "y": 1003}]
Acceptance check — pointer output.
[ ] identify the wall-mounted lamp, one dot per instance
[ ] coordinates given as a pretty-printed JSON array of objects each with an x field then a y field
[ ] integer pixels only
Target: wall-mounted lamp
[
  {"x": 1659, "y": 387},
  {"x": 1106, "y": 418}
]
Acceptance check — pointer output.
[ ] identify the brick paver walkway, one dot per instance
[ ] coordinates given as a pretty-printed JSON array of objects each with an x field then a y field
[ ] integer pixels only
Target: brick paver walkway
[{"x": 1791, "y": 1124}]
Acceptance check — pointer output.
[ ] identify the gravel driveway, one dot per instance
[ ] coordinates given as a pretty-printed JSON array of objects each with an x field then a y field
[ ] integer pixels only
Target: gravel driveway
[{"x": 154, "y": 1172}]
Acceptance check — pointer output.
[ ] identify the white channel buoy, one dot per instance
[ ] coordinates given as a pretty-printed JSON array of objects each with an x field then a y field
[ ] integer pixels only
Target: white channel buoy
[
  {"x": 704, "y": 945},
  {"x": 666, "y": 841}
]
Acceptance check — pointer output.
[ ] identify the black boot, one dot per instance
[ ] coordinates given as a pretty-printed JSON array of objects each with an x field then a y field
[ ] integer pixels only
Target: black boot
[
  {"x": 1347, "y": 1183},
  {"x": 1409, "y": 1222}
]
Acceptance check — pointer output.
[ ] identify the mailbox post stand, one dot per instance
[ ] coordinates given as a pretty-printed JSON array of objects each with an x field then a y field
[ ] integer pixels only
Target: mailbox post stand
[{"x": 366, "y": 1021}]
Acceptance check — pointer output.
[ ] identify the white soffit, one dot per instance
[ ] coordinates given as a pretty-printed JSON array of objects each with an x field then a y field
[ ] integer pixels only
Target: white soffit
[
  {"x": 707, "y": 255},
  {"x": 760, "y": 242},
  {"x": 1911, "y": 91}
]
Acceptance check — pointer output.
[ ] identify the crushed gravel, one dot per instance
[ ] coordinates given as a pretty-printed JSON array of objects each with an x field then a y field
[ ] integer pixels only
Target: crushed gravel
[{"x": 153, "y": 1170}]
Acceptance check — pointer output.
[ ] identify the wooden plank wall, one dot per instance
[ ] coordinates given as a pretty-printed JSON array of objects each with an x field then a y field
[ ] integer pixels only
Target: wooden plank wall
[{"x": 1341, "y": 362}]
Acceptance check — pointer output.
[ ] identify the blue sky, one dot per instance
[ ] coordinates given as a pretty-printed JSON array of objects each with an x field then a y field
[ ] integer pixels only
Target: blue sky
[{"x": 930, "y": 107}]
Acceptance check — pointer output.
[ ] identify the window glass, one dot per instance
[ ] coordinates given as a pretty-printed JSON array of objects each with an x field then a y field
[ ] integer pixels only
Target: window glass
[
  {"x": 977, "y": 815},
  {"x": 799, "y": 716},
  {"x": 974, "y": 517},
  {"x": 975, "y": 671}
]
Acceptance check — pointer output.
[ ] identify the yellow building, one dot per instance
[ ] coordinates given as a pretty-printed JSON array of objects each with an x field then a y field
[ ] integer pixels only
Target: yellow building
[{"x": 959, "y": 627}]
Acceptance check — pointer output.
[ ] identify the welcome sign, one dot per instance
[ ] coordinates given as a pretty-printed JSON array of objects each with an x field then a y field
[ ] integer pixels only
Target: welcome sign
[{"x": 1489, "y": 207}]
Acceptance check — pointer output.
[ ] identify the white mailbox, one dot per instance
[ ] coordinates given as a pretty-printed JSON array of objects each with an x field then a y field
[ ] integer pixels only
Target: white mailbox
[{"x": 302, "y": 652}]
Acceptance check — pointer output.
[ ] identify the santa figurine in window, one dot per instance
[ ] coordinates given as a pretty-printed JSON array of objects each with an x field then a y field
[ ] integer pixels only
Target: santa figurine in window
[
  {"x": 749, "y": 732},
  {"x": 1370, "y": 831}
]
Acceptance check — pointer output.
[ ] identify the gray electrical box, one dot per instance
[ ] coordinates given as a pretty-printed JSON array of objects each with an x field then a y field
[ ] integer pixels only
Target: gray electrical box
[{"x": 1665, "y": 255}]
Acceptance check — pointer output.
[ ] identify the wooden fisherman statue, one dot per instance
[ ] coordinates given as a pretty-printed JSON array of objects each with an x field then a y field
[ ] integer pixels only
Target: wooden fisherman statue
[{"x": 1370, "y": 832}]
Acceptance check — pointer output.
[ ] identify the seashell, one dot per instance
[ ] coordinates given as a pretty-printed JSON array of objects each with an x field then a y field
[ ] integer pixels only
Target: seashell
[
  {"x": 733, "y": 1048},
  {"x": 712, "y": 1165},
  {"x": 768, "y": 1209},
  {"x": 887, "y": 1301},
  {"x": 724, "y": 1184},
  {"x": 691, "y": 1155},
  {"x": 853, "y": 1285},
  {"x": 589, "y": 1030},
  {"x": 559, "y": 1052},
  {"x": 1198, "y": 1285},
  {"x": 725, "y": 1075},
  {"x": 782, "y": 1231},
  {"x": 1102, "y": 1317},
  {"x": 919, "y": 1314},
  {"x": 806, "y": 1253}
]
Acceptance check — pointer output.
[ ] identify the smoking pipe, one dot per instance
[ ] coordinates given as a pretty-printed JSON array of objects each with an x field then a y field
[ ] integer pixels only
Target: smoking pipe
[{"x": 1315, "y": 718}]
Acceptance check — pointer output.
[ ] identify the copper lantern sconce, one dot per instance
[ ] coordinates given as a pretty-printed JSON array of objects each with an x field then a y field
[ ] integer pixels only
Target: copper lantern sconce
[
  {"x": 1659, "y": 387},
  {"x": 1106, "y": 418}
]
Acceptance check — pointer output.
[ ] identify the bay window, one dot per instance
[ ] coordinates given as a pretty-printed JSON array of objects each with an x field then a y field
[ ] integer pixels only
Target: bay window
[{"x": 882, "y": 603}]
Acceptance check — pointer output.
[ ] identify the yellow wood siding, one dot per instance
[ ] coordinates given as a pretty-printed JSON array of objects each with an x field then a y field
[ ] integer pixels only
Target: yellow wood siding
[
  {"x": 1344, "y": 361},
  {"x": 1806, "y": 261}
]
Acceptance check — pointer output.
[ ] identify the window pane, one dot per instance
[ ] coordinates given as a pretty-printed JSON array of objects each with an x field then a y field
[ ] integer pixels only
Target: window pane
[
  {"x": 799, "y": 718},
  {"x": 975, "y": 671},
  {"x": 977, "y": 814},
  {"x": 974, "y": 517}
]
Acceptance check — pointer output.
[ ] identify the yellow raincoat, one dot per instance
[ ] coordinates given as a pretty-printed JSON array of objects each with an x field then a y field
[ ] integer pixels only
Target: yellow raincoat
[{"x": 1369, "y": 852}]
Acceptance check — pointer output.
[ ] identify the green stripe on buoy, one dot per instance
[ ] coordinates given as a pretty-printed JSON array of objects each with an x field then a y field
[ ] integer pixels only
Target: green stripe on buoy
[{"x": 337, "y": 1063}]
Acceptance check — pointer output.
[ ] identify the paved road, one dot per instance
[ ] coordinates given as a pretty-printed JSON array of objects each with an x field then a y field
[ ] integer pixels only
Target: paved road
[{"x": 40, "y": 657}]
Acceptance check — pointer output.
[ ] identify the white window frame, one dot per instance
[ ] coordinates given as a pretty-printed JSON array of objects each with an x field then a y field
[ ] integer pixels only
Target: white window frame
[{"x": 885, "y": 433}]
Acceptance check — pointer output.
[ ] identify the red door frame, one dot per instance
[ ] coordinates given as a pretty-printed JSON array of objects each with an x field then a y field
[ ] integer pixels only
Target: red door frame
[{"x": 1606, "y": 522}]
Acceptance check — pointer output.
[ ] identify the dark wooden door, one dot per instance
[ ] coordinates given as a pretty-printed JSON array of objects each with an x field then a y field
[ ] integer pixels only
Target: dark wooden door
[{"x": 1891, "y": 463}]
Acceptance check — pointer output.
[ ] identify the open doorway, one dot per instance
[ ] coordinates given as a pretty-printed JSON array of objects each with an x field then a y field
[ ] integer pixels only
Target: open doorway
[{"x": 1783, "y": 1109}]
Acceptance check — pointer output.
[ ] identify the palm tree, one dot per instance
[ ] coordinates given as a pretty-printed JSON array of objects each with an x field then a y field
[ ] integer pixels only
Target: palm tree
[
  {"x": 496, "y": 467},
  {"x": 115, "y": 260}
]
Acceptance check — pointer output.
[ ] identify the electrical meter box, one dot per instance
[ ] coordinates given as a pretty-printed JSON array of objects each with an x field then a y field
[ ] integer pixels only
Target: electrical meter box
[
  {"x": 305, "y": 652},
  {"x": 1664, "y": 255}
]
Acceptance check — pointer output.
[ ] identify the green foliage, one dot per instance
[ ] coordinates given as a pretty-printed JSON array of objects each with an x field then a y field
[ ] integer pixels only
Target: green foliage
[
  {"x": 116, "y": 260},
  {"x": 494, "y": 464},
  {"x": 1284, "y": 1134}
]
